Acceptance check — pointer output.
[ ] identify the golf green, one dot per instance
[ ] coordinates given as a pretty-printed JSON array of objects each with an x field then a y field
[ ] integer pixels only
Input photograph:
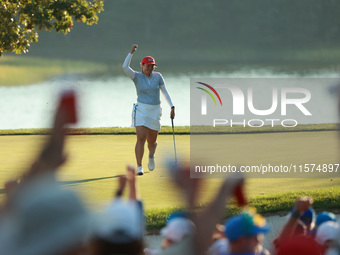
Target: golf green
[{"x": 95, "y": 161}]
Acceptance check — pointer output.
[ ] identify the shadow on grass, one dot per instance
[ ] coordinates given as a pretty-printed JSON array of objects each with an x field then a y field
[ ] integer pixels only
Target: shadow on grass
[
  {"x": 65, "y": 183},
  {"x": 85, "y": 180},
  {"x": 75, "y": 182}
]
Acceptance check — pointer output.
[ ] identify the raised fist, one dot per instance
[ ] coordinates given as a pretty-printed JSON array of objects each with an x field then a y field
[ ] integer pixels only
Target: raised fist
[{"x": 133, "y": 48}]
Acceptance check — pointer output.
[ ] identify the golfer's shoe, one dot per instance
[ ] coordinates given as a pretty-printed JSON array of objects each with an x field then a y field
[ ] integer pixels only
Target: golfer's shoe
[
  {"x": 140, "y": 170},
  {"x": 151, "y": 164}
]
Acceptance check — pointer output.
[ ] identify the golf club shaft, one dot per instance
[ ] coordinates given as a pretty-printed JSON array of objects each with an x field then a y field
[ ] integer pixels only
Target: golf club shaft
[{"x": 173, "y": 134}]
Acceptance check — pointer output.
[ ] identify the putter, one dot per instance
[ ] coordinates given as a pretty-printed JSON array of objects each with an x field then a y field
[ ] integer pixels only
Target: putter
[{"x": 173, "y": 134}]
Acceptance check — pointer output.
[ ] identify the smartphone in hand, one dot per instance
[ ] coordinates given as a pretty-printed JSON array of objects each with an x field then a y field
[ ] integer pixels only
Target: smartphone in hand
[{"x": 239, "y": 195}]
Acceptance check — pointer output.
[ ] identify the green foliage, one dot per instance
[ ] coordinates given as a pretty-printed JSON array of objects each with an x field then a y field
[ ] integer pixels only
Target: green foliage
[
  {"x": 166, "y": 130},
  {"x": 20, "y": 21}
]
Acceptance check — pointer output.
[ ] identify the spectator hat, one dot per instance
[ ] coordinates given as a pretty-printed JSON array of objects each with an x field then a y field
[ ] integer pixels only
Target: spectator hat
[
  {"x": 245, "y": 224},
  {"x": 122, "y": 222},
  {"x": 178, "y": 228},
  {"x": 178, "y": 214},
  {"x": 323, "y": 217},
  {"x": 327, "y": 231}
]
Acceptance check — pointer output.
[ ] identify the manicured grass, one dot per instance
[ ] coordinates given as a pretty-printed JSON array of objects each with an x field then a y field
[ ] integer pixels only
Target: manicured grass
[
  {"x": 95, "y": 161},
  {"x": 94, "y": 131},
  {"x": 23, "y": 70}
]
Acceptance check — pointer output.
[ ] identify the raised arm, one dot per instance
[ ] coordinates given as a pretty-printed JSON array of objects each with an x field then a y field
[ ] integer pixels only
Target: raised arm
[
  {"x": 126, "y": 65},
  {"x": 208, "y": 218},
  {"x": 301, "y": 205},
  {"x": 131, "y": 177},
  {"x": 52, "y": 155}
]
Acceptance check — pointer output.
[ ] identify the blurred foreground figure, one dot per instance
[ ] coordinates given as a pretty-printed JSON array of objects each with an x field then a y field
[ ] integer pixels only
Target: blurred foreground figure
[
  {"x": 327, "y": 237},
  {"x": 219, "y": 241},
  {"x": 40, "y": 217},
  {"x": 178, "y": 228},
  {"x": 206, "y": 219},
  {"x": 245, "y": 233},
  {"x": 121, "y": 227},
  {"x": 45, "y": 219},
  {"x": 294, "y": 237}
]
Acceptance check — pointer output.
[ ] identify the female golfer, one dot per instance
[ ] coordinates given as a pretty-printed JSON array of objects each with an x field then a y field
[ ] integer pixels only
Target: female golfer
[{"x": 147, "y": 111}]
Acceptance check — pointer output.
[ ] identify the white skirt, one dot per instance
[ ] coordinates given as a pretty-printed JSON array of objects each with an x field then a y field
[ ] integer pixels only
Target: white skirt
[{"x": 146, "y": 115}]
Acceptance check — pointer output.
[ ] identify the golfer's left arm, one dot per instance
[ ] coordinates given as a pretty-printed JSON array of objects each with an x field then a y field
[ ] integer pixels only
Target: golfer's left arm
[{"x": 168, "y": 99}]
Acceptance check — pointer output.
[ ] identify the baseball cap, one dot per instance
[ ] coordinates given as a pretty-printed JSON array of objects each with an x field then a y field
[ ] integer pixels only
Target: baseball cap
[
  {"x": 245, "y": 224},
  {"x": 44, "y": 219},
  {"x": 323, "y": 217},
  {"x": 178, "y": 228},
  {"x": 178, "y": 214},
  {"x": 149, "y": 60},
  {"x": 121, "y": 222},
  {"x": 327, "y": 231}
]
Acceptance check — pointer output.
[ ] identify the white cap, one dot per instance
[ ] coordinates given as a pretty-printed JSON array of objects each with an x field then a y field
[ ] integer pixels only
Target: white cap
[
  {"x": 327, "y": 231},
  {"x": 220, "y": 246},
  {"x": 178, "y": 228},
  {"x": 122, "y": 222}
]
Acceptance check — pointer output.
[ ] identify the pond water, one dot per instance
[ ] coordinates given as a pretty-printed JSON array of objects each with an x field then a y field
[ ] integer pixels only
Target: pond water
[{"x": 107, "y": 102}]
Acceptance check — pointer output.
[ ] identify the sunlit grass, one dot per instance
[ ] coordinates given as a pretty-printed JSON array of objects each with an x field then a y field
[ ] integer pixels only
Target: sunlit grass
[{"x": 95, "y": 161}]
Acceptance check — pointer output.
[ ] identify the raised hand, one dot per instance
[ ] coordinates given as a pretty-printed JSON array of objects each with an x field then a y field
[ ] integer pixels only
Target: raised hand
[{"x": 133, "y": 48}]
